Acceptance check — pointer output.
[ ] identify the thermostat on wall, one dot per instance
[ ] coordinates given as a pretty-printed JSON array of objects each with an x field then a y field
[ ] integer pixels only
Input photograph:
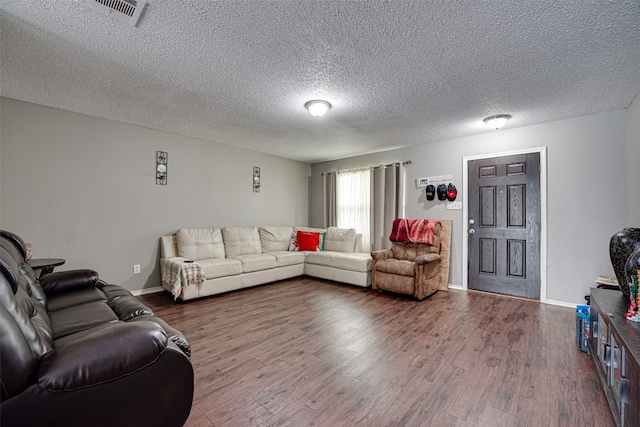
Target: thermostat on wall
[{"x": 422, "y": 182}]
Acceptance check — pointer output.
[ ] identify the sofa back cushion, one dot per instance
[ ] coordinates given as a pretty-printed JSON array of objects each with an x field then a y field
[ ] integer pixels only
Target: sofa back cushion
[
  {"x": 241, "y": 241},
  {"x": 409, "y": 251},
  {"x": 28, "y": 313},
  {"x": 340, "y": 239},
  {"x": 275, "y": 238},
  {"x": 18, "y": 360},
  {"x": 200, "y": 243},
  {"x": 168, "y": 246}
]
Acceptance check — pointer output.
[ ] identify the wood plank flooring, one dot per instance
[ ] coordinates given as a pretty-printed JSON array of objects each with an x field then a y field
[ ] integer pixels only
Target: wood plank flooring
[{"x": 309, "y": 352}]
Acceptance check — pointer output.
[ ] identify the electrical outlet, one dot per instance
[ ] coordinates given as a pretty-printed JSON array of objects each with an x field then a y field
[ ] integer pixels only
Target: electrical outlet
[
  {"x": 136, "y": 269},
  {"x": 454, "y": 205}
]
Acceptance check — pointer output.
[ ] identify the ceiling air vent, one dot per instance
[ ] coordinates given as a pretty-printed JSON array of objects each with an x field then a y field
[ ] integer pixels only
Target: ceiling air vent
[{"x": 127, "y": 11}]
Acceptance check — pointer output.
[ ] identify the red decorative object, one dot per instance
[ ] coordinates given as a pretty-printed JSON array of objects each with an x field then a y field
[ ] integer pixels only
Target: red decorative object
[
  {"x": 413, "y": 230},
  {"x": 308, "y": 241}
]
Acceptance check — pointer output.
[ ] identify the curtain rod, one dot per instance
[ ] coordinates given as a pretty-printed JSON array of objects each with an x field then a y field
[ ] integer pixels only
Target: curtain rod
[
  {"x": 354, "y": 169},
  {"x": 408, "y": 162}
]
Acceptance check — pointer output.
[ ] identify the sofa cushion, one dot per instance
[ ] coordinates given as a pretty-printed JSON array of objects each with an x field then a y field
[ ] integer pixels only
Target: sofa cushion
[
  {"x": 256, "y": 262},
  {"x": 80, "y": 317},
  {"x": 30, "y": 279},
  {"x": 396, "y": 266},
  {"x": 286, "y": 258},
  {"x": 220, "y": 267},
  {"x": 275, "y": 238},
  {"x": 77, "y": 297},
  {"x": 340, "y": 239},
  {"x": 317, "y": 230},
  {"x": 344, "y": 261},
  {"x": 200, "y": 243},
  {"x": 241, "y": 241},
  {"x": 410, "y": 251}
]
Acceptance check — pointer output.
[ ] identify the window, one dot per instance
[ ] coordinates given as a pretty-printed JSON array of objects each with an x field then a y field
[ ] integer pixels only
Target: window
[{"x": 354, "y": 203}]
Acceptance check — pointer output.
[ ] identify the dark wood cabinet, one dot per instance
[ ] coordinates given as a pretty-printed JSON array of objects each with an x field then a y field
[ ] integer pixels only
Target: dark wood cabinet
[{"x": 615, "y": 348}]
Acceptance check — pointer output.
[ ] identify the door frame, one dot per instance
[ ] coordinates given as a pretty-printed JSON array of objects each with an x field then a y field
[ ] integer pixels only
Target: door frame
[{"x": 543, "y": 213}]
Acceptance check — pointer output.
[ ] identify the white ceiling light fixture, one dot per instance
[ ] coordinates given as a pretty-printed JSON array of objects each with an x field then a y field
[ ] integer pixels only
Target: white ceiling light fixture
[
  {"x": 496, "y": 122},
  {"x": 317, "y": 107}
]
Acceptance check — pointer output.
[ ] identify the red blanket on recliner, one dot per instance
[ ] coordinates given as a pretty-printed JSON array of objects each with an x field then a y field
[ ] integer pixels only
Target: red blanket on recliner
[{"x": 413, "y": 230}]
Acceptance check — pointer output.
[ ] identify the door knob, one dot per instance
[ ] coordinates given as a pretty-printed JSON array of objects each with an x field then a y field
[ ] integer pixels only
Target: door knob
[
  {"x": 472, "y": 231},
  {"x": 472, "y": 221}
]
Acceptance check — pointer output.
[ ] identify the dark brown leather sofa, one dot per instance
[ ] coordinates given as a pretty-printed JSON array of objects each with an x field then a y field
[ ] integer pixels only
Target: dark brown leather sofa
[{"x": 76, "y": 351}]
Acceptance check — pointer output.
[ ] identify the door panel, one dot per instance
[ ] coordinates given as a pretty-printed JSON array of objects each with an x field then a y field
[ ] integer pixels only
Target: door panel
[{"x": 504, "y": 226}]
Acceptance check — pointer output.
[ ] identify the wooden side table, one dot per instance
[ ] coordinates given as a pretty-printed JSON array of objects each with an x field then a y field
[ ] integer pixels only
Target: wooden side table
[{"x": 45, "y": 265}]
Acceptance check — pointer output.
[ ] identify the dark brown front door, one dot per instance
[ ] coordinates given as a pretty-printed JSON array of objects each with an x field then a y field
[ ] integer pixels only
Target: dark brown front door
[{"x": 504, "y": 225}]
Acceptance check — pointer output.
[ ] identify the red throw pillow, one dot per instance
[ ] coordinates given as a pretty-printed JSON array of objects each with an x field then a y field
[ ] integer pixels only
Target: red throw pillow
[{"x": 308, "y": 241}]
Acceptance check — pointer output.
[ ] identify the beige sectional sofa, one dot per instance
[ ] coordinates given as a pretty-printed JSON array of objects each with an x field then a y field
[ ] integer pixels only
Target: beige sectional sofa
[{"x": 197, "y": 262}]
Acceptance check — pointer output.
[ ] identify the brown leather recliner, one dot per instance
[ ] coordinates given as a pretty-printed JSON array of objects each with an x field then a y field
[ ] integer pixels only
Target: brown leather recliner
[
  {"x": 77, "y": 351},
  {"x": 413, "y": 269}
]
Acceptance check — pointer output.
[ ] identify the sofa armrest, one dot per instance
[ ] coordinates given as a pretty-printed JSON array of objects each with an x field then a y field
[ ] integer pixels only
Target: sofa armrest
[
  {"x": 178, "y": 275},
  {"x": 173, "y": 334},
  {"x": 127, "y": 307},
  {"x": 357, "y": 247},
  {"x": 382, "y": 255},
  {"x": 427, "y": 258},
  {"x": 71, "y": 280},
  {"x": 105, "y": 355}
]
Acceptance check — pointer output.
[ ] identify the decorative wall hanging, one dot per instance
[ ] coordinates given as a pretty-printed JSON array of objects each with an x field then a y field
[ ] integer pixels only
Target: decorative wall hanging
[
  {"x": 256, "y": 179},
  {"x": 162, "y": 159}
]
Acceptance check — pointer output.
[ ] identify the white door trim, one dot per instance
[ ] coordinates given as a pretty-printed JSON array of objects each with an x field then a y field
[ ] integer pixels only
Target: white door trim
[{"x": 543, "y": 213}]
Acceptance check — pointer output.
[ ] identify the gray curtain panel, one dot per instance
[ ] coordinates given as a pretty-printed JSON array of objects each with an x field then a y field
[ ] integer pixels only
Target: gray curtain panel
[
  {"x": 329, "y": 194},
  {"x": 387, "y": 182}
]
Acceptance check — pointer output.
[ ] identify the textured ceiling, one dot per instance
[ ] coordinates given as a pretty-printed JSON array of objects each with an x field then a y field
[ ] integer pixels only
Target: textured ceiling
[{"x": 398, "y": 73}]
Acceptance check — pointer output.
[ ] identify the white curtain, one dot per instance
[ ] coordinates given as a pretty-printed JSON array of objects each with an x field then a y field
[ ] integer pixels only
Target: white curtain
[
  {"x": 353, "y": 203},
  {"x": 387, "y": 202},
  {"x": 329, "y": 194}
]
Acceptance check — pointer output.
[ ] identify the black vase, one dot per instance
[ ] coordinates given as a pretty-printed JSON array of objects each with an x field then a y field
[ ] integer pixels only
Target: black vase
[{"x": 624, "y": 250}]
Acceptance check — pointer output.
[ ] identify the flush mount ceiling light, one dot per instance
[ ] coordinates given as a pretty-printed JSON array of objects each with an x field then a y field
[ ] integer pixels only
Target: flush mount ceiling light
[
  {"x": 496, "y": 122},
  {"x": 317, "y": 107}
]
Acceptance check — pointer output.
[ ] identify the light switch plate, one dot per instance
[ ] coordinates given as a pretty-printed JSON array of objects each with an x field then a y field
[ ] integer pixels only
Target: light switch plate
[{"x": 454, "y": 206}]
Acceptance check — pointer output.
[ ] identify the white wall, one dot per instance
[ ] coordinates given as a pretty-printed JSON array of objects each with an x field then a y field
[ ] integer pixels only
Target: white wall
[
  {"x": 587, "y": 203},
  {"x": 633, "y": 159},
  {"x": 83, "y": 189}
]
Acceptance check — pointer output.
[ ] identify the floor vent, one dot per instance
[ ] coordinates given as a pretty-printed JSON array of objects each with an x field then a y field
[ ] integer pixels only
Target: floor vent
[{"x": 127, "y": 11}]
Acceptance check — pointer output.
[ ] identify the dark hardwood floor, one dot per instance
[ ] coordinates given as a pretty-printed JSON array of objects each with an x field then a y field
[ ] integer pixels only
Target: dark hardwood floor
[{"x": 309, "y": 352}]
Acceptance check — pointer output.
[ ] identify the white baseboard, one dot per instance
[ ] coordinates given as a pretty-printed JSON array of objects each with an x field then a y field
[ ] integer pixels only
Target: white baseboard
[
  {"x": 562, "y": 303},
  {"x": 158, "y": 289},
  {"x": 147, "y": 291},
  {"x": 549, "y": 301}
]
